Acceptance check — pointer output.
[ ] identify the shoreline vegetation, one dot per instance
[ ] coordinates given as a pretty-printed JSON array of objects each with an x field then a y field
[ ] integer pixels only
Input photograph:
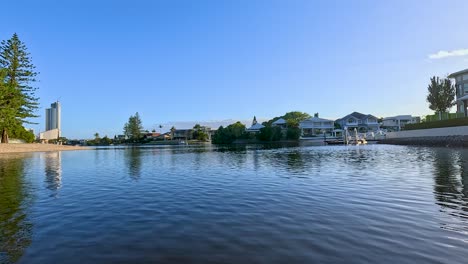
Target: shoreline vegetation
[{"x": 35, "y": 147}]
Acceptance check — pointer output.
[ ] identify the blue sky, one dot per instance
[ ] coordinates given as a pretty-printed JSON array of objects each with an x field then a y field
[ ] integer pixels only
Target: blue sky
[{"x": 179, "y": 62}]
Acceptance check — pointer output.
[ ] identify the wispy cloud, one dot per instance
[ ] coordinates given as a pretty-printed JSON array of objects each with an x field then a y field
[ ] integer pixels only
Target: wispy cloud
[{"x": 450, "y": 53}]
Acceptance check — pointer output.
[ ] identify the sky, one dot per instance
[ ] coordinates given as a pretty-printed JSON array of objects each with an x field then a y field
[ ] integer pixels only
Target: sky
[{"x": 217, "y": 61}]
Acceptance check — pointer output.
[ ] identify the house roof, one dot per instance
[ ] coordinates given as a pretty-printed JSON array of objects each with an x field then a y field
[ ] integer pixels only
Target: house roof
[
  {"x": 256, "y": 127},
  {"x": 280, "y": 121},
  {"x": 317, "y": 119},
  {"x": 399, "y": 117},
  {"x": 455, "y": 74},
  {"x": 356, "y": 115}
]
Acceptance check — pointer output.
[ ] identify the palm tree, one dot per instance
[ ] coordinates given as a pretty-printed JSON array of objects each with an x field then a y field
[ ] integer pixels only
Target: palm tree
[{"x": 96, "y": 135}]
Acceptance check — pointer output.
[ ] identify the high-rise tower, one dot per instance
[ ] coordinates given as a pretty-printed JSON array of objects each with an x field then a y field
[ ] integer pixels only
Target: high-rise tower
[{"x": 53, "y": 117}]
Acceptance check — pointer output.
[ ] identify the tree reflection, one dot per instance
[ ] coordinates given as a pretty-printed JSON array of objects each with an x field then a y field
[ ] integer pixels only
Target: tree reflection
[
  {"x": 15, "y": 228},
  {"x": 133, "y": 160},
  {"x": 53, "y": 170},
  {"x": 295, "y": 161},
  {"x": 451, "y": 178}
]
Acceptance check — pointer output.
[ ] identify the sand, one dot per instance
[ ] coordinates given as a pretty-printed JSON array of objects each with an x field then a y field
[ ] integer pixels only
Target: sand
[{"x": 19, "y": 148}]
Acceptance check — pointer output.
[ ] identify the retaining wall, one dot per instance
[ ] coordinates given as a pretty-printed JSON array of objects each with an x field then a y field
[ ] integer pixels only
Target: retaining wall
[{"x": 447, "y": 136}]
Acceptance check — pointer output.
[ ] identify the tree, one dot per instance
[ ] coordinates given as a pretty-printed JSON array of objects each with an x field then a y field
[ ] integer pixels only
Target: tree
[
  {"x": 106, "y": 141},
  {"x": 441, "y": 95},
  {"x": 199, "y": 133},
  {"x": 133, "y": 127},
  {"x": 96, "y": 136},
  {"x": 230, "y": 133},
  {"x": 293, "y": 117},
  {"x": 173, "y": 129},
  {"x": 19, "y": 73},
  {"x": 9, "y": 104}
]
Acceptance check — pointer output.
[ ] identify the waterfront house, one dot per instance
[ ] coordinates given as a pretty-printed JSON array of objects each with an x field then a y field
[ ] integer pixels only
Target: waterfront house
[
  {"x": 363, "y": 123},
  {"x": 461, "y": 85},
  {"x": 316, "y": 126},
  {"x": 255, "y": 128},
  {"x": 183, "y": 134},
  {"x": 280, "y": 123},
  {"x": 151, "y": 135},
  {"x": 396, "y": 123}
]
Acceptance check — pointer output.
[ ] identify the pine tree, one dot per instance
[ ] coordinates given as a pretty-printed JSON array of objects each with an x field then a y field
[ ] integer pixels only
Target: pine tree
[
  {"x": 20, "y": 74},
  {"x": 133, "y": 127},
  {"x": 9, "y": 104}
]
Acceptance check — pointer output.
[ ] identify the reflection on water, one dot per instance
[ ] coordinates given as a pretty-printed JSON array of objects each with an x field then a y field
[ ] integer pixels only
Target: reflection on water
[
  {"x": 242, "y": 204},
  {"x": 53, "y": 170},
  {"x": 15, "y": 227},
  {"x": 133, "y": 161},
  {"x": 450, "y": 187}
]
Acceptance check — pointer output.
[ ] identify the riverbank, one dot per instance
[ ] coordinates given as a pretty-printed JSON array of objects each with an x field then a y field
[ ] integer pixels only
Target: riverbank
[
  {"x": 19, "y": 148},
  {"x": 446, "y": 136}
]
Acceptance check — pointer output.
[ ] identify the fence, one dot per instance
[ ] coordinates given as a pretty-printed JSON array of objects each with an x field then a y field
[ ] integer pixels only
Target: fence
[{"x": 442, "y": 116}]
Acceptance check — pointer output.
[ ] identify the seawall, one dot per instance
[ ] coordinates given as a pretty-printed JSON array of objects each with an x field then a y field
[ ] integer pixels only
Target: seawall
[{"x": 446, "y": 136}]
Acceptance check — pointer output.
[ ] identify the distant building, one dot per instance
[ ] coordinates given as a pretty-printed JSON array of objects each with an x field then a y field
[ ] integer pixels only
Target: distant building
[
  {"x": 255, "y": 127},
  {"x": 183, "y": 134},
  {"x": 53, "y": 115},
  {"x": 279, "y": 123},
  {"x": 461, "y": 85},
  {"x": 399, "y": 122},
  {"x": 362, "y": 122},
  {"x": 316, "y": 126},
  {"x": 52, "y": 123}
]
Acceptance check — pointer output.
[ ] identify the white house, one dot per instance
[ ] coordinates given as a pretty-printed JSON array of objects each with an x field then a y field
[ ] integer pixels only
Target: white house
[
  {"x": 255, "y": 128},
  {"x": 316, "y": 126},
  {"x": 398, "y": 122},
  {"x": 461, "y": 85},
  {"x": 280, "y": 123},
  {"x": 362, "y": 122}
]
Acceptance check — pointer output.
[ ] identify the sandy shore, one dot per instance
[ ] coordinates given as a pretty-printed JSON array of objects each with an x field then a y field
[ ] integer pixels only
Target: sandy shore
[{"x": 19, "y": 148}]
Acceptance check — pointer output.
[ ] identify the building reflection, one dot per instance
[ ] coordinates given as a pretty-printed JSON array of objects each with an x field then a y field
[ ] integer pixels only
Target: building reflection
[
  {"x": 15, "y": 199},
  {"x": 450, "y": 183},
  {"x": 53, "y": 170}
]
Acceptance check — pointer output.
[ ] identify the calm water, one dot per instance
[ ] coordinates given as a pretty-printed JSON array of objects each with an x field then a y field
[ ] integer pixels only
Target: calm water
[{"x": 359, "y": 204}]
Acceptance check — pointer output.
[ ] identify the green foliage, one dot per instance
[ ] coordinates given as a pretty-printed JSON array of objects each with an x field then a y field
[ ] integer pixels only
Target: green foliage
[
  {"x": 269, "y": 133},
  {"x": 20, "y": 73},
  {"x": 173, "y": 130},
  {"x": 438, "y": 124},
  {"x": 106, "y": 141},
  {"x": 441, "y": 94},
  {"x": 18, "y": 102},
  {"x": 441, "y": 116},
  {"x": 293, "y": 133},
  {"x": 133, "y": 127},
  {"x": 19, "y": 132},
  {"x": 230, "y": 133},
  {"x": 199, "y": 133}
]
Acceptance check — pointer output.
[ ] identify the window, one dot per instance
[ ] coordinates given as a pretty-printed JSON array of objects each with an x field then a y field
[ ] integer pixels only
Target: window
[
  {"x": 465, "y": 87},
  {"x": 351, "y": 121},
  {"x": 465, "y": 77}
]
